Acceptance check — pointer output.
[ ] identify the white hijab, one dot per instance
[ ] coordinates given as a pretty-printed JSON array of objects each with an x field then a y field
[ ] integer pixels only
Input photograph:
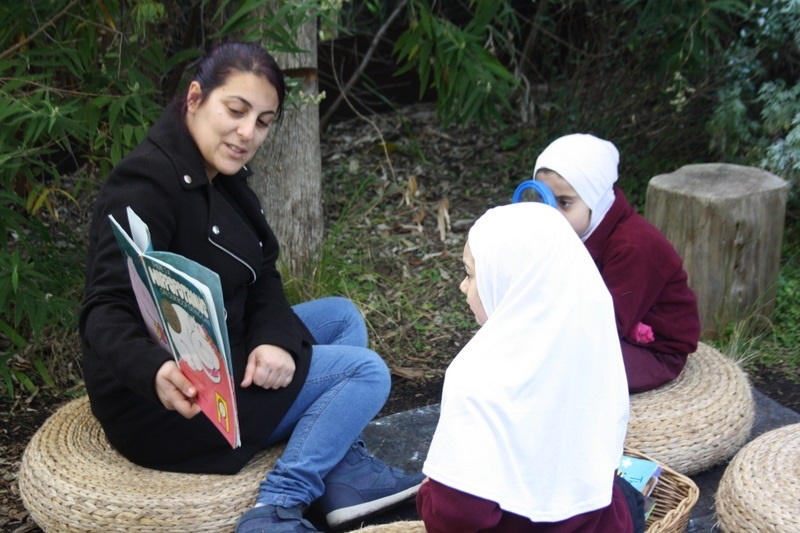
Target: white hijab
[
  {"x": 589, "y": 164},
  {"x": 535, "y": 407}
]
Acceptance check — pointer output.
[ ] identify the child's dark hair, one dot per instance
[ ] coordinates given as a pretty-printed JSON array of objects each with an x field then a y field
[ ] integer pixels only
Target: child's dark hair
[{"x": 228, "y": 58}]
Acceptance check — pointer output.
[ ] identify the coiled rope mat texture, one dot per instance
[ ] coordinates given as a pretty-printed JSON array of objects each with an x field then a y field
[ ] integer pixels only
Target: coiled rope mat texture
[
  {"x": 700, "y": 419},
  {"x": 406, "y": 526},
  {"x": 760, "y": 488},
  {"x": 72, "y": 480}
]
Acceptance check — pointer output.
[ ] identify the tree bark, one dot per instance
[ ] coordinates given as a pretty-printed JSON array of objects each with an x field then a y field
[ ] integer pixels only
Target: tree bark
[
  {"x": 288, "y": 168},
  {"x": 726, "y": 221}
]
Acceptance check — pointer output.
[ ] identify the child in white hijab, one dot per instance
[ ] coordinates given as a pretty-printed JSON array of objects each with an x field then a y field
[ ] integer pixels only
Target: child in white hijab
[
  {"x": 656, "y": 312},
  {"x": 535, "y": 407}
]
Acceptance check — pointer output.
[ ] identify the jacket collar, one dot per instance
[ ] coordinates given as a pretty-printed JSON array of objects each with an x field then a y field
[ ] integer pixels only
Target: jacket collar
[{"x": 619, "y": 211}]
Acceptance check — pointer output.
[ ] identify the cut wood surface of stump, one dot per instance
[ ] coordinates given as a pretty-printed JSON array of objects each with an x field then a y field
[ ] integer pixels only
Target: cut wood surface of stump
[{"x": 726, "y": 221}]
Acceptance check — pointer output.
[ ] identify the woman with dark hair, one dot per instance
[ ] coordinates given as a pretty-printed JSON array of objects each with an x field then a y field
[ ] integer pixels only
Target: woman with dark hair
[{"x": 303, "y": 374}]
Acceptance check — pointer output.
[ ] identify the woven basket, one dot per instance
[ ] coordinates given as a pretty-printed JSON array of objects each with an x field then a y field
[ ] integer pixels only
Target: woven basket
[
  {"x": 698, "y": 420},
  {"x": 760, "y": 488},
  {"x": 72, "y": 480},
  {"x": 675, "y": 496},
  {"x": 675, "y": 493}
]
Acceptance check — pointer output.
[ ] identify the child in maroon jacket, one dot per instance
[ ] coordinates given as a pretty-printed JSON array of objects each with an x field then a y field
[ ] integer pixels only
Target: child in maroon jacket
[
  {"x": 533, "y": 412},
  {"x": 656, "y": 311}
]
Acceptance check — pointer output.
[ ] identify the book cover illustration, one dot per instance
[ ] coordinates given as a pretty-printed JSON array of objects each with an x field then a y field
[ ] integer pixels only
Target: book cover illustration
[
  {"x": 182, "y": 307},
  {"x": 640, "y": 473}
]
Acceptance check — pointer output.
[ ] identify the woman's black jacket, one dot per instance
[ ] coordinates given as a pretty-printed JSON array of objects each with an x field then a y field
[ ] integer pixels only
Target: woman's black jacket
[{"x": 165, "y": 183}]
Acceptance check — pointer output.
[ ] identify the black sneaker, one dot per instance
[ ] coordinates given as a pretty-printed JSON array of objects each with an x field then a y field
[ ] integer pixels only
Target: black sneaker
[
  {"x": 273, "y": 519},
  {"x": 362, "y": 485}
]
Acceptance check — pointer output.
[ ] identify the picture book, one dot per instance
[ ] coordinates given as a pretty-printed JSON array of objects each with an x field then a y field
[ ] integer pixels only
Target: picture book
[
  {"x": 181, "y": 303},
  {"x": 649, "y": 505},
  {"x": 640, "y": 473}
]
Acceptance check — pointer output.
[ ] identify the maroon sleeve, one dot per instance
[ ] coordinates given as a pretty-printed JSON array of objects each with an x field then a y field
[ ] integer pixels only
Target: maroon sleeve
[
  {"x": 447, "y": 510},
  {"x": 635, "y": 277},
  {"x": 645, "y": 277}
]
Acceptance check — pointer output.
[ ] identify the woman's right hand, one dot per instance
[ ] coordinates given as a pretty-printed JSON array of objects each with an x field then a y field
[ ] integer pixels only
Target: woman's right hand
[{"x": 175, "y": 391}]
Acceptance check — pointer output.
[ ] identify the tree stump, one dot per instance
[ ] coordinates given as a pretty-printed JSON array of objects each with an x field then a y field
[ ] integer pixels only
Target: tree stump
[{"x": 726, "y": 222}]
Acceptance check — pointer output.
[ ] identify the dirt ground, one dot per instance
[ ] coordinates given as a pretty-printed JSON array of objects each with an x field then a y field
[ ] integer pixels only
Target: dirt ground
[{"x": 435, "y": 161}]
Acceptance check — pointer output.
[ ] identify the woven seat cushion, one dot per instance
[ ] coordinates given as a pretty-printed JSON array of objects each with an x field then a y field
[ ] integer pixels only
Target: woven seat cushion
[
  {"x": 760, "y": 488},
  {"x": 700, "y": 419},
  {"x": 71, "y": 479},
  {"x": 411, "y": 526}
]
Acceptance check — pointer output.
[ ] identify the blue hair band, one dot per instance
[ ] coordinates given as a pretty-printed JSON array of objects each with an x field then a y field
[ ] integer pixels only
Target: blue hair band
[{"x": 545, "y": 195}]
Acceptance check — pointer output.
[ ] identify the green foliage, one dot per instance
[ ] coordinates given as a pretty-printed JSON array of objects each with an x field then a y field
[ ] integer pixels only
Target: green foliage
[
  {"x": 787, "y": 311},
  {"x": 36, "y": 291},
  {"x": 692, "y": 34},
  {"x": 756, "y": 120},
  {"x": 460, "y": 63},
  {"x": 772, "y": 341},
  {"x": 638, "y": 72},
  {"x": 780, "y": 112},
  {"x": 80, "y": 83},
  {"x": 267, "y": 20},
  {"x": 71, "y": 84},
  {"x": 73, "y": 90}
]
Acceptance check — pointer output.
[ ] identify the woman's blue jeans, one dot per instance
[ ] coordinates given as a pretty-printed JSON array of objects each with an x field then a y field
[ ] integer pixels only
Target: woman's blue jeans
[{"x": 346, "y": 386}]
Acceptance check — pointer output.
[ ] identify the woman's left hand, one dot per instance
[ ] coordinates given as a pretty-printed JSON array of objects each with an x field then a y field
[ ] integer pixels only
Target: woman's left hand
[{"x": 270, "y": 367}]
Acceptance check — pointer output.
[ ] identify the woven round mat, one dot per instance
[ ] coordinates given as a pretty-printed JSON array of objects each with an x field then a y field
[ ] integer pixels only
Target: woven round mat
[
  {"x": 413, "y": 526},
  {"x": 72, "y": 480},
  {"x": 698, "y": 420},
  {"x": 760, "y": 488}
]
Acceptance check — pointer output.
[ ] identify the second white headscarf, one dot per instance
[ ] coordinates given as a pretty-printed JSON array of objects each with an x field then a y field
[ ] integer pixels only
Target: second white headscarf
[
  {"x": 590, "y": 165},
  {"x": 535, "y": 407}
]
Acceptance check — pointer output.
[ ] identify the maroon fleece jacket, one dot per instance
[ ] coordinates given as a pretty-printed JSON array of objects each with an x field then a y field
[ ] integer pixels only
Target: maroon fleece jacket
[
  {"x": 646, "y": 279},
  {"x": 447, "y": 510}
]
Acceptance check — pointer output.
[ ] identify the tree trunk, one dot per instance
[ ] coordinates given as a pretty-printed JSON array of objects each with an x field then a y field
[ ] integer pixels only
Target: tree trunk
[
  {"x": 726, "y": 221},
  {"x": 288, "y": 168}
]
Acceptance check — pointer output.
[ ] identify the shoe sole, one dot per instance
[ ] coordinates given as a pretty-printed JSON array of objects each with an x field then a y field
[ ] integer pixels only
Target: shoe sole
[{"x": 346, "y": 515}]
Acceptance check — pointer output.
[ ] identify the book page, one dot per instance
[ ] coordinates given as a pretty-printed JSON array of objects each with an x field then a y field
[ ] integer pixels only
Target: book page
[{"x": 144, "y": 299}]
